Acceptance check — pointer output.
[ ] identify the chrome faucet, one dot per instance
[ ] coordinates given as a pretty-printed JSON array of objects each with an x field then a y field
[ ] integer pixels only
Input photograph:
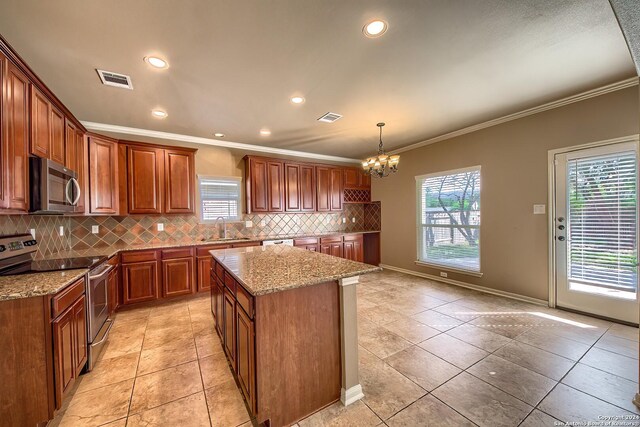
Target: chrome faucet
[{"x": 224, "y": 226}]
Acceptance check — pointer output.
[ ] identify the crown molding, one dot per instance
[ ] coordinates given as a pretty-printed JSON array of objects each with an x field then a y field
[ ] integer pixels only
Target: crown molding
[
  {"x": 124, "y": 130},
  {"x": 633, "y": 81}
]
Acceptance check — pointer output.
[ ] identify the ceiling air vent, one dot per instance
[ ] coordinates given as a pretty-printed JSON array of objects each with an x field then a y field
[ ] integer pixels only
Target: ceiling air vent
[
  {"x": 330, "y": 117},
  {"x": 114, "y": 79}
]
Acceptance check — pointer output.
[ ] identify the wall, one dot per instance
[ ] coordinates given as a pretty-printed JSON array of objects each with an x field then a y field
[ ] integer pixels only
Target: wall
[{"x": 513, "y": 157}]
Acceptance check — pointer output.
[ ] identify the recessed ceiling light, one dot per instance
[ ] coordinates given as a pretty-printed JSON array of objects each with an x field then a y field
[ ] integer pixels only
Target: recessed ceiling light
[
  {"x": 265, "y": 132},
  {"x": 218, "y": 135},
  {"x": 156, "y": 62},
  {"x": 297, "y": 100},
  {"x": 159, "y": 114},
  {"x": 375, "y": 28}
]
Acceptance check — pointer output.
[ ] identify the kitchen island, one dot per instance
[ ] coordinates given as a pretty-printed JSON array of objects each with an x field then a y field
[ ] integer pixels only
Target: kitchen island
[{"x": 287, "y": 321}]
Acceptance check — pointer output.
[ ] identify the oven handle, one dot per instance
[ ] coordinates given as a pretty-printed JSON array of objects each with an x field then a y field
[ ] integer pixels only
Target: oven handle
[
  {"x": 101, "y": 275},
  {"x": 75, "y": 182},
  {"x": 104, "y": 336}
]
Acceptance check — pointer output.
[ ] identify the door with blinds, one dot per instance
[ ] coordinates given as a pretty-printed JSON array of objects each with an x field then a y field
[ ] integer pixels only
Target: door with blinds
[{"x": 596, "y": 230}]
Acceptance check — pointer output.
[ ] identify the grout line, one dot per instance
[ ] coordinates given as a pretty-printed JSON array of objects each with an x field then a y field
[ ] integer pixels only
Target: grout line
[{"x": 200, "y": 368}]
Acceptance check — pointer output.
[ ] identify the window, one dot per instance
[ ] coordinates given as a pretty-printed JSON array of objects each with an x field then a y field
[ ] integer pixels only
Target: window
[
  {"x": 449, "y": 219},
  {"x": 219, "y": 197}
]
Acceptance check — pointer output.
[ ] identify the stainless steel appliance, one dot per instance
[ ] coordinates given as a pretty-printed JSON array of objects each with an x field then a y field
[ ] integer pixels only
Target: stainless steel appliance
[
  {"x": 54, "y": 188},
  {"x": 16, "y": 257}
]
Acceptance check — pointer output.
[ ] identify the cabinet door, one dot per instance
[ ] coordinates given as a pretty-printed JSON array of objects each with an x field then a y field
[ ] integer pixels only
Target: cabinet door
[
  {"x": 334, "y": 249},
  {"x": 177, "y": 276},
  {"x": 213, "y": 289},
  {"x": 80, "y": 330},
  {"x": 348, "y": 251},
  {"x": 312, "y": 248},
  {"x": 323, "y": 189},
  {"x": 40, "y": 124},
  {"x": 336, "y": 190},
  {"x": 179, "y": 182},
  {"x": 71, "y": 156},
  {"x": 257, "y": 178},
  {"x": 14, "y": 153},
  {"x": 144, "y": 182},
  {"x": 351, "y": 178},
  {"x": 307, "y": 188},
  {"x": 220, "y": 310},
  {"x": 204, "y": 273},
  {"x": 292, "y": 202},
  {"x": 103, "y": 176},
  {"x": 56, "y": 146},
  {"x": 358, "y": 250},
  {"x": 365, "y": 181},
  {"x": 230, "y": 327},
  {"x": 139, "y": 282},
  {"x": 81, "y": 169},
  {"x": 275, "y": 184},
  {"x": 64, "y": 336},
  {"x": 246, "y": 355}
]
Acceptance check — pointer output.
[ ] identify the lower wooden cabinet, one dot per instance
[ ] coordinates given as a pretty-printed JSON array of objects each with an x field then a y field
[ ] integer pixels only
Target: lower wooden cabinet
[
  {"x": 178, "y": 276},
  {"x": 353, "y": 247},
  {"x": 204, "y": 272},
  {"x": 139, "y": 282},
  {"x": 245, "y": 359},
  {"x": 80, "y": 325},
  {"x": 113, "y": 287},
  {"x": 229, "y": 329},
  {"x": 219, "y": 307},
  {"x": 334, "y": 249}
]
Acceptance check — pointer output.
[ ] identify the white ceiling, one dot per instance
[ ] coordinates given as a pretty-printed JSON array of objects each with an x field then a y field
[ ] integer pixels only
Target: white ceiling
[{"x": 441, "y": 66}]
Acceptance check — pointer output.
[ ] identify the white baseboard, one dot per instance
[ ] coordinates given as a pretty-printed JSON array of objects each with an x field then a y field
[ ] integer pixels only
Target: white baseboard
[
  {"x": 352, "y": 395},
  {"x": 469, "y": 285}
]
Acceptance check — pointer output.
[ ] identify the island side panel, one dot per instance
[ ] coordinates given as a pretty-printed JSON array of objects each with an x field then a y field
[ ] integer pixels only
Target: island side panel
[{"x": 298, "y": 363}]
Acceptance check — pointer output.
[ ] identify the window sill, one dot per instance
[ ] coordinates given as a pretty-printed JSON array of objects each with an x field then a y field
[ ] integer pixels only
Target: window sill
[{"x": 449, "y": 268}]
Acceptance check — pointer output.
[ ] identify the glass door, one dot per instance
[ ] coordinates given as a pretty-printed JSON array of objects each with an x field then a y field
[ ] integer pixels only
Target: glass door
[{"x": 596, "y": 227}]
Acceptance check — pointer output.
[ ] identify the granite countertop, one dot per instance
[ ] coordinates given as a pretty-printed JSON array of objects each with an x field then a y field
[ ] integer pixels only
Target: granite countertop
[
  {"x": 38, "y": 284},
  {"x": 265, "y": 269}
]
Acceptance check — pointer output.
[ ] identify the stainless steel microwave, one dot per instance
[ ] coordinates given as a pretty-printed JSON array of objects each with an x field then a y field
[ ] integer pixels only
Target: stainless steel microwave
[{"x": 54, "y": 188}]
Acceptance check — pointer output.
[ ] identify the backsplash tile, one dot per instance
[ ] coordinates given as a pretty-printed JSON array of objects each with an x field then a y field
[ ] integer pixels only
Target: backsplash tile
[{"x": 117, "y": 231}]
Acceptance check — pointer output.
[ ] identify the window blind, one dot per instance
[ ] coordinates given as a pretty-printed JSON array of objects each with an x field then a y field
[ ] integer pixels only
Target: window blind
[
  {"x": 601, "y": 222},
  {"x": 219, "y": 197},
  {"x": 449, "y": 219}
]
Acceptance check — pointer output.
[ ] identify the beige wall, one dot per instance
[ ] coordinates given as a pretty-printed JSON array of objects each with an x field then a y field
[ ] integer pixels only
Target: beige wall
[{"x": 513, "y": 157}]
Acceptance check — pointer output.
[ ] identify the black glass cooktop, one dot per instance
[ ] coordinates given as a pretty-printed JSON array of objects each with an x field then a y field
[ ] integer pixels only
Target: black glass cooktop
[{"x": 53, "y": 265}]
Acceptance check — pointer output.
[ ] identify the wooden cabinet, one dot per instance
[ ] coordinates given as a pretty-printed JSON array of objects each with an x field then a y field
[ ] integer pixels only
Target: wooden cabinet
[
  {"x": 204, "y": 263},
  {"x": 308, "y": 243},
  {"x": 334, "y": 249},
  {"x": 144, "y": 179},
  {"x": 113, "y": 287},
  {"x": 245, "y": 361},
  {"x": 353, "y": 247},
  {"x": 307, "y": 188},
  {"x": 265, "y": 185},
  {"x": 140, "y": 279},
  {"x": 57, "y": 146},
  {"x": 14, "y": 138},
  {"x": 299, "y": 187},
  {"x": 336, "y": 189},
  {"x": 40, "y": 124},
  {"x": 177, "y": 276},
  {"x": 219, "y": 307},
  {"x": 348, "y": 246},
  {"x": 76, "y": 160},
  {"x": 229, "y": 327},
  {"x": 329, "y": 189},
  {"x": 80, "y": 330},
  {"x": 355, "y": 178},
  {"x": 179, "y": 182},
  {"x": 103, "y": 176}
]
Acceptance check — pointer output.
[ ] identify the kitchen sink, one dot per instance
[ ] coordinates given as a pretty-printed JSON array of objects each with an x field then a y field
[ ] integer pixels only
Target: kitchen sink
[{"x": 225, "y": 239}]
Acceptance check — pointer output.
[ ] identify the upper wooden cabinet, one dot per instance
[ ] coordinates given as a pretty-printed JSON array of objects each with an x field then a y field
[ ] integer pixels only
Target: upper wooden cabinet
[
  {"x": 329, "y": 188},
  {"x": 265, "y": 185},
  {"x": 103, "y": 176},
  {"x": 40, "y": 124},
  {"x": 179, "y": 179},
  {"x": 76, "y": 159},
  {"x": 57, "y": 146},
  {"x": 14, "y": 138},
  {"x": 300, "y": 187},
  {"x": 144, "y": 179},
  {"x": 355, "y": 178}
]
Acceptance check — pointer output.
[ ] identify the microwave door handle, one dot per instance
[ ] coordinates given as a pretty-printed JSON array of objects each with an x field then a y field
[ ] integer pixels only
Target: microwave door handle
[
  {"x": 66, "y": 191},
  {"x": 78, "y": 191}
]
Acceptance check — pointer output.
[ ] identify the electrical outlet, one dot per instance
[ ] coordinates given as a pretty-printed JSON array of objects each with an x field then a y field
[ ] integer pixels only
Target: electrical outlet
[
  {"x": 539, "y": 209},
  {"x": 353, "y": 220},
  {"x": 95, "y": 229},
  {"x": 263, "y": 223},
  {"x": 344, "y": 220},
  {"x": 61, "y": 231},
  {"x": 33, "y": 232},
  {"x": 160, "y": 226},
  {"x": 248, "y": 224},
  {"x": 443, "y": 274}
]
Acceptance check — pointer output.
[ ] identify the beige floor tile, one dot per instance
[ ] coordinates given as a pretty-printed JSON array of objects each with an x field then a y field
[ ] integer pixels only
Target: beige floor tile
[
  {"x": 190, "y": 411},
  {"x": 422, "y": 367},
  {"x": 166, "y": 355},
  {"x": 381, "y": 341},
  {"x": 337, "y": 415},
  {"x": 618, "y": 345},
  {"x": 168, "y": 321},
  {"x": 570, "y": 405},
  {"x": 203, "y": 327},
  {"x": 453, "y": 350},
  {"x": 509, "y": 325},
  {"x": 603, "y": 385},
  {"x": 554, "y": 344},
  {"x": 428, "y": 412},
  {"x": 457, "y": 311},
  {"x": 215, "y": 369},
  {"x": 226, "y": 406},
  {"x": 161, "y": 387},
  {"x": 539, "y": 419},
  {"x": 156, "y": 338},
  {"x": 109, "y": 371},
  {"x": 584, "y": 335},
  {"x": 122, "y": 422},
  {"x": 623, "y": 331},
  {"x": 98, "y": 406},
  {"x": 208, "y": 345},
  {"x": 137, "y": 315},
  {"x": 386, "y": 391},
  {"x": 121, "y": 342},
  {"x": 411, "y": 330},
  {"x": 437, "y": 320},
  {"x": 519, "y": 382},
  {"x": 481, "y": 338},
  {"x": 381, "y": 315},
  {"x": 617, "y": 364},
  {"x": 482, "y": 403},
  {"x": 548, "y": 364}
]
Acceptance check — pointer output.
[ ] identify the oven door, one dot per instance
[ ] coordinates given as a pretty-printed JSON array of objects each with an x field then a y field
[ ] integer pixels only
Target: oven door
[{"x": 97, "y": 300}]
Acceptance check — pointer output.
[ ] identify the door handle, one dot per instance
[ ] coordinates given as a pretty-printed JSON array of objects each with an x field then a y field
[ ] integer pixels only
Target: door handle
[
  {"x": 78, "y": 190},
  {"x": 561, "y": 238}
]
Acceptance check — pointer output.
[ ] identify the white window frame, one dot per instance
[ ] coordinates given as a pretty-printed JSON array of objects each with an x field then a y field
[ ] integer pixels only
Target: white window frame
[
  {"x": 237, "y": 218},
  {"x": 419, "y": 234}
]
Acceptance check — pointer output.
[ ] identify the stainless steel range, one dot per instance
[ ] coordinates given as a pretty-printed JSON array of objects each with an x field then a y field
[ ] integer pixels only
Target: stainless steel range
[{"x": 16, "y": 257}]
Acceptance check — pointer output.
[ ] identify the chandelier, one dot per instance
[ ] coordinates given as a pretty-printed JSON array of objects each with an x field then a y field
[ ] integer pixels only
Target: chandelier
[{"x": 381, "y": 165}]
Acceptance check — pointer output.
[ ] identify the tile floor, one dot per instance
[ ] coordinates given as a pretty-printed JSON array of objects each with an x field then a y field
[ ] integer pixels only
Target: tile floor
[{"x": 430, "y": 355}]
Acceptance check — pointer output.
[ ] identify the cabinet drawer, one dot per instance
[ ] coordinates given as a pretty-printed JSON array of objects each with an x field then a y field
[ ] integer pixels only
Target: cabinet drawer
[
  {"x": 245, "y": 300},
  {"x": 331, "y": 239},
  {"x": 139, "y": 256},
  {"x": 177, "y": 253},
  {"x": 219, "y": 271},
  {"x": 204, "y": 250},
  {"x": 352, "y": 237},
  {"x": 65, "y": 298},
  {"x": 305, "y": 241},
  {"x": 230, "y": 282}
]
